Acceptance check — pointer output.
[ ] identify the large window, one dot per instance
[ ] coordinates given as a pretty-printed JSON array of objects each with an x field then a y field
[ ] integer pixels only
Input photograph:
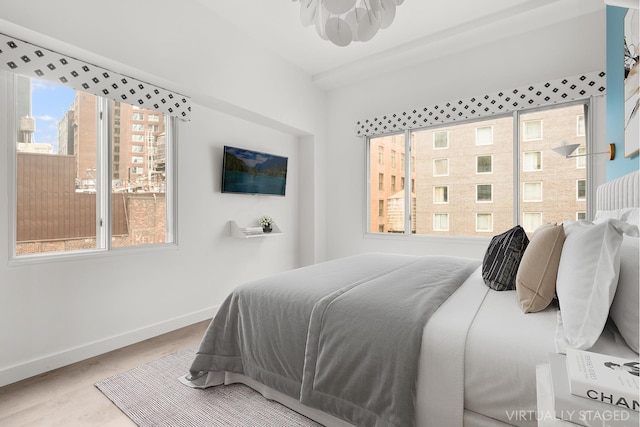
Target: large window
[
  {"x": 74, "y": 191},
  {"x": 473, "y": 187}
]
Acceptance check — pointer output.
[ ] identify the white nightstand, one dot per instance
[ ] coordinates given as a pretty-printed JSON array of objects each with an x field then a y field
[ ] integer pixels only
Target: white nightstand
[{"x": 545, "y": 399}]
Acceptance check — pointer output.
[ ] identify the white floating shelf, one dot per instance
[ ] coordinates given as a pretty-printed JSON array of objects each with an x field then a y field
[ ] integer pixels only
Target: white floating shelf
[{"x": 238, "y": 232}]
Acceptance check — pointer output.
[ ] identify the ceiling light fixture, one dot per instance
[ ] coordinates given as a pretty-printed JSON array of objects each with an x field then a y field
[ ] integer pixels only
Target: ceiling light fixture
[
  {"x": 344, "y": 21},
  {"x": 566, "y": 149}
]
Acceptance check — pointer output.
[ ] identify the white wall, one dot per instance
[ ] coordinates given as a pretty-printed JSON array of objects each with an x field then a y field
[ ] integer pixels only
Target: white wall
[
  {"x": 56, "y": 313},
  {"x": 555, "y": 51}
]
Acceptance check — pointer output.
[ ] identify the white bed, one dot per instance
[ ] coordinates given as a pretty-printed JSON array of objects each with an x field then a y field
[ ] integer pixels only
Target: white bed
[{"x": 479, "y": 351}]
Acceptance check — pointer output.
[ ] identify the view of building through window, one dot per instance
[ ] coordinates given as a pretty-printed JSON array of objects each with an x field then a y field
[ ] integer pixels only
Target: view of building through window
[
  {"x": 463, "y": 175},
  {"x": 57, "y": 171}
]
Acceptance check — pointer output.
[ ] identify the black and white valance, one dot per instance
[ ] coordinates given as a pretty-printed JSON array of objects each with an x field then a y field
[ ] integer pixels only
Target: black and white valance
[
  {"x": 537, "y": 95},
  {"x": 30, "y": 60}
]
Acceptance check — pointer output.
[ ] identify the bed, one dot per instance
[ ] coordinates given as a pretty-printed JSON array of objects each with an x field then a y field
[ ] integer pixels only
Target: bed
[{"x": 398, "y": 340}]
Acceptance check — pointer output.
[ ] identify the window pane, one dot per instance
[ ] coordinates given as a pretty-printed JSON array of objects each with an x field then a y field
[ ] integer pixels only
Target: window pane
[
  {"x": 532, "y": 130},
  {"x": 484, "y": 222},
  {"x": 387, "y": 212},
  {"x": 531, "y": 221},
  {"x": 484, "y": 164},
  {"x": 440, "y": 194},
  {"x": 484, "y": 193},
  {"x": 139, "y": 208},
  {"x": 441, "y": 222},
  {"x": 484, "y": 135},
  {"x": 456, "y": 174},
  {"x": 441, "y": 139},
  {"x": 532, "y": 161},
  {"x": 582, "y": 189},
  {"x": 580, "y": 129},
  {"x": 552, "y": 190},
  {"x": 56, "y": 168}
]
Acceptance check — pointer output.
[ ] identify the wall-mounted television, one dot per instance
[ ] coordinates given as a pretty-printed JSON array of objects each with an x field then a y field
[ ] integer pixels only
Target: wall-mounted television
[{"x": 252, "y": 172}]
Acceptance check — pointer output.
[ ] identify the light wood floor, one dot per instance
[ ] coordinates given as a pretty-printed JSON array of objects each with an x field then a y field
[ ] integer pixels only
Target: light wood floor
[{"x": 67, "y": 396}]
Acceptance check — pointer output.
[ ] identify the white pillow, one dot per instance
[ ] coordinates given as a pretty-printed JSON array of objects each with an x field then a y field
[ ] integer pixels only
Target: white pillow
[
  {"x": 624, "y": 310},
  {"x": 587, "y": 279},
  {"x": 629, "y": 215}
]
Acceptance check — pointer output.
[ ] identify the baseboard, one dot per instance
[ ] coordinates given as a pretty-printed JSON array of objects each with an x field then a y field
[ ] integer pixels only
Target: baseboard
[{"x": 41, "y": 365}]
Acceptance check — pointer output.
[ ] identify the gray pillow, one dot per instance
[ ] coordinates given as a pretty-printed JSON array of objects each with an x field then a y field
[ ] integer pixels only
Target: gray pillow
[{"x": 502, "y": 259}]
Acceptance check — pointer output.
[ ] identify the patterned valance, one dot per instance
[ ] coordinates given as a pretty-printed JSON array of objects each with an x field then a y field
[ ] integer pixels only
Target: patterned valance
[
  {"x": 34, "y": 61},
  {"x": 537, "y": 95}
]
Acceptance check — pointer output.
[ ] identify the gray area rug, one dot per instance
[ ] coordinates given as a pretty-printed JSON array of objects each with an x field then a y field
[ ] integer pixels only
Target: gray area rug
[{"x": 151, "y": 395}]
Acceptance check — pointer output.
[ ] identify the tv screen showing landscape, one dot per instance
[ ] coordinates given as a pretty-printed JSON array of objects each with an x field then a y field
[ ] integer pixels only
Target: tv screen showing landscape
[{"x": 253, "y": 172}]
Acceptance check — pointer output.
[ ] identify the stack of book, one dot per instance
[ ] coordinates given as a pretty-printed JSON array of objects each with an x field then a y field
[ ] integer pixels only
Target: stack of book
[
  {"x": 250, "y": 231},
  {"x": 594, "y": 389}
]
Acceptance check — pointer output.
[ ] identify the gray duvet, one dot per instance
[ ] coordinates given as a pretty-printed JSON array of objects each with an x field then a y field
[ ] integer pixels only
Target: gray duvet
[{"x": 342, "y": 336}]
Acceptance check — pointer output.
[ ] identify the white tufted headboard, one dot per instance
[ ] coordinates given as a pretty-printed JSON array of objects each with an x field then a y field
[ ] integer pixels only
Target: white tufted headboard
[{"x": 623, "y": 192}]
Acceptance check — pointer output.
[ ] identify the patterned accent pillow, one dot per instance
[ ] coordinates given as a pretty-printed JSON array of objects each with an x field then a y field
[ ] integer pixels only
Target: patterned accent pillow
[{"x": 501, "y": 262}]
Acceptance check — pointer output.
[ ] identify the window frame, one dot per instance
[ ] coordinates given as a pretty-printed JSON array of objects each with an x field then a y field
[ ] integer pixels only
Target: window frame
[
  {"x": 104, "y": 166},
  {"x": 484, "y": 155},
  {"x": 588, "y": 104}
]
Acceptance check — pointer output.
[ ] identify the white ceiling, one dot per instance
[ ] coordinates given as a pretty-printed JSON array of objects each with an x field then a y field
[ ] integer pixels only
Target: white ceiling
[{"x": 422, "y": 30}]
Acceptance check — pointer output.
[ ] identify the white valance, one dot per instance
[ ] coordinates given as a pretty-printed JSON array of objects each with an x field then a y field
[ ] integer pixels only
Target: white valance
[
  {"x": 34, "y": 61},
  {"x": 536, "y": 95}
]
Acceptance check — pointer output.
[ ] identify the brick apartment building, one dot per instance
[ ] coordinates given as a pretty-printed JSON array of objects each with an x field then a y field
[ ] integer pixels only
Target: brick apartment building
[{"x": 462, "y": 175}]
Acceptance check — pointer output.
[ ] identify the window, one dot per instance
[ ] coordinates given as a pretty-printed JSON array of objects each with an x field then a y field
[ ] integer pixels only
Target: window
[
  {"x": 581, "y": 189},
  {"x": 581, "y": 162},
  {"x": 381, "y": 208},
  {"x": 137, "y": 127},
  {"x": 484, "y": 193},
  {"x": 381, "y": 155},
  {"x": 532, "y": 192},
  {"x": 581, "y": 215},
  {"x": 393, "y": 183},
  {"x": 580, "y": 130},
  {"x": 441, "y": 194},
  {"x": 440, "y": 222},
  {"x": 440, "y": 167},
  {"x": 531, "y": 221},
  {"x": 484, "y": 164},
  {"x": 532, "y": 161},
  {"x": 393, "y": 158},
  {"x": 484, "y": 222},
  {"x": 381, "y": 181},
  {"x": 67, "y": 166},
  {"x": 532, "y": 130},
  {"x": 137, "y": 148},
  {"x": 154, "y": 117},
  {"x": 481, "y": 175},
  {"x": 137, "y": 159},
  {"x": 484, "y": 135},
  {"x": 441, "y": 139},
  {"x": 138, "y": 116},
  {"x": 137, "y": 137}
]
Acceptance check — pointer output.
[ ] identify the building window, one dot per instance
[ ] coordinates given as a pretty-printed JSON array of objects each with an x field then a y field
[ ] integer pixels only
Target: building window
[
  {"x": 137, "y": 137},
  {"x": 532, "y": 161},
  {"x": 154, "y": 117},
  {"x": 441, "y": 194},
  {"x": 581, "y": 162},
  {"x": 531, "y": 221},
  {"x": 381, "y": 155},
  {"x": 484, "y": 193},
  {"x": 393, "y": 183},
  {"x": 484, "y": 164},
  {"x": 440, "y": 222},
  {"x": 441, "y": 139},
  {"x": 581, "y": 215},
  {"x": 580, "y": 130},
  {"x": 137, "y": 127},
  {"x": 393, "y": 158},
  {"x": 77, "y": 158},
  {"x": 137, "y": 149},
  {"x": 381, "y": 208},
  {"x": 138, "y": 116},
  {"x": 581, "y": 189},
  {"x": 532, "y": 130},
  {"x": 484, "y": 222},
  {"x": 440, "y": 167},
  {"x": 484, "y": 135},
  {"x": 381, "y": 181},
  {"x": 532, "y": 192},
  {"x": 402, "y": 183}
]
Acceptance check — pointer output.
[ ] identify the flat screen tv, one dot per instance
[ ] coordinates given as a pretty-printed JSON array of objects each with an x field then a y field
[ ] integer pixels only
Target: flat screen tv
[{"x": 252, "y": 172}]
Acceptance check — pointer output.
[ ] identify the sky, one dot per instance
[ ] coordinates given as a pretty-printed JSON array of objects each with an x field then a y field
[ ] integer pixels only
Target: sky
[{"x": 50, "y": 102}]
